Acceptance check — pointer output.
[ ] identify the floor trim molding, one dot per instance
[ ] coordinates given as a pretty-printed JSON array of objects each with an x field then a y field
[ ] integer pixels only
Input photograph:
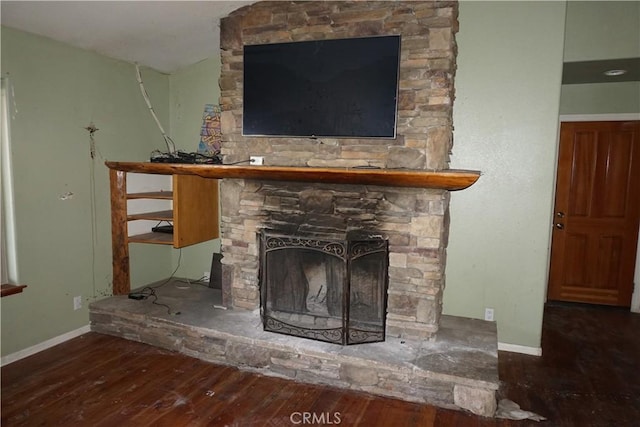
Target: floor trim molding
[
  {"x": 515, "y": 348},
  {"x": 10, "y": 358}
]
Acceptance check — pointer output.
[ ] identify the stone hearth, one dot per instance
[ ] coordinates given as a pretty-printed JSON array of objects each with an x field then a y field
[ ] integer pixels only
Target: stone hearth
[{"x": 459, "y": 369}]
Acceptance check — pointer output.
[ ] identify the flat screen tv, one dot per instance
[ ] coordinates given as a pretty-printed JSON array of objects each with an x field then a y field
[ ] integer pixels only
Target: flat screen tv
[{"x": 326, "y": 88}]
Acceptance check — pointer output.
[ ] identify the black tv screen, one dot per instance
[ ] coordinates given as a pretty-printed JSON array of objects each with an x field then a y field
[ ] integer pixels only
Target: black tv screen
[{"x": 326, "y": 88}]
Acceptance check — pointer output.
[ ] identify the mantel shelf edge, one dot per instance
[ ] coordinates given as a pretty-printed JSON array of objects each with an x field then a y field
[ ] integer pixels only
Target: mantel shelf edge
[{"x": 448, "y": 179}]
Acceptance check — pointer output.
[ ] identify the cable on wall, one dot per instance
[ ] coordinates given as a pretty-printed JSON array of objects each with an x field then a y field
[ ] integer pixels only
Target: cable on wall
[
  {"x": 171, "y": 147},
  {"x": 92, "y": 129}
]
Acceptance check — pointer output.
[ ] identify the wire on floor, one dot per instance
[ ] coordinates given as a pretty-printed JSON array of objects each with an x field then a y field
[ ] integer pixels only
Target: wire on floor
[{"x": 150, "y": 291}]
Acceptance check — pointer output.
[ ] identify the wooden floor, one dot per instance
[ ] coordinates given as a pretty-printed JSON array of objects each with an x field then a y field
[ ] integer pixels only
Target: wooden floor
[{"x": 589, "y": 375}]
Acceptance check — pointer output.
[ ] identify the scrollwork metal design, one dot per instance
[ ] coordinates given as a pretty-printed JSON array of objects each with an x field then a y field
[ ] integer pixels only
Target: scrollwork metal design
[
  {"x": 358, "y": 249},
  {"x": 332, "y": 248},
  {"x": 333, "y": 335},
  {"x": 357, "y": 336}
]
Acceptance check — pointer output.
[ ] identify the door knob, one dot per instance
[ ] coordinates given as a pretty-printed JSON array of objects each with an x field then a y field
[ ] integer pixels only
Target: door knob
[
  {"x": 560, "y": 226},
  {"x": 560, "y": 214}
]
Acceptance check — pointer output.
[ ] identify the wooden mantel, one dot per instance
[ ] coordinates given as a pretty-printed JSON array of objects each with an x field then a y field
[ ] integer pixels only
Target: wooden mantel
[{"x": 449, "y": 179}]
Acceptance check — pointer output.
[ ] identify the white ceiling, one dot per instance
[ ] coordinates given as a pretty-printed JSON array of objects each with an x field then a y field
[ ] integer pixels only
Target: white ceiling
[{"x": 163, "y": 35}]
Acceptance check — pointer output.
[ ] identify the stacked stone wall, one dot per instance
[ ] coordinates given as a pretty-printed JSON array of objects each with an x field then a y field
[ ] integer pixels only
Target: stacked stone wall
[{"x": 414, "y": 220}]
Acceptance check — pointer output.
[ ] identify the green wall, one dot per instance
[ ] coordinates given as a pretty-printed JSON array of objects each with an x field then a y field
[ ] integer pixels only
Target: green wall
[
  {"x": 506, "y": 122},
  {"x": 191, "y": 88},
  {"x": 58, "y": 90},
  {"x": 600, "y": 98},
  {"x": 598, "y": 30},
  {"x": 602, "y": 30}
]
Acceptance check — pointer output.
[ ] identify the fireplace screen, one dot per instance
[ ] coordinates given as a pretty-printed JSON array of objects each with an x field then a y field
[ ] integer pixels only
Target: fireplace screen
[{"x": 328, "y": 290}]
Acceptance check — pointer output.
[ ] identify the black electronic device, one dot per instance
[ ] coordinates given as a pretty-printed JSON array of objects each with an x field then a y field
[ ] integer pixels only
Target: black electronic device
[
  {"x": 215, "y": 275},
  {"x": 168, "y": 229},
  {"x": 324, "y": 88},
  {"x": 186, "y": 158}
]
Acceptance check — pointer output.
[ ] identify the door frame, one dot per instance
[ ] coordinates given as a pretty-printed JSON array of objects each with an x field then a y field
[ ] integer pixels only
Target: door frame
[{"x": 635, "y": 298}]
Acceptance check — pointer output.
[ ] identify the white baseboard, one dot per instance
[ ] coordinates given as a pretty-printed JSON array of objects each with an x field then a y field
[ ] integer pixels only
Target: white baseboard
[
  {"x": 515, "y": 348},
  {"x": 44, "y": 345},
  {"x": 635, "y": 297}
]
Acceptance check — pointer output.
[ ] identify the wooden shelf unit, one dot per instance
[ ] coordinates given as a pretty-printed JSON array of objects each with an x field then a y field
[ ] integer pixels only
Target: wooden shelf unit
[{"x": 194, "y": 217}]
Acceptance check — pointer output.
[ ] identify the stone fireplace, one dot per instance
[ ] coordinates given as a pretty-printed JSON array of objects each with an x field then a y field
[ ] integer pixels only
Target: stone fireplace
[
  {"x": 414, "y": 222},
  {"x": 308, "y": 206}
]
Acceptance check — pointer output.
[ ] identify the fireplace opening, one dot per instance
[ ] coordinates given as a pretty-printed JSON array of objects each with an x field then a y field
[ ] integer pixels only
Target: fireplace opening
[{"x": 332, "y": 290}]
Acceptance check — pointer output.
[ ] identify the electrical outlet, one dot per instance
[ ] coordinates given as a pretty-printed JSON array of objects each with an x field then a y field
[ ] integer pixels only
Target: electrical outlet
[
  {"x": 488, "y": 314},
  {"x": 206, "y": 276},
  {"x": 77, "y": 302},
  {"x": 256, "y": 160}
]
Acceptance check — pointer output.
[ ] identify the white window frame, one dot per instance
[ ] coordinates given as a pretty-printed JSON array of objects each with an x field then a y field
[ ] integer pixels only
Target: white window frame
[{"x": 7, "y": 214}]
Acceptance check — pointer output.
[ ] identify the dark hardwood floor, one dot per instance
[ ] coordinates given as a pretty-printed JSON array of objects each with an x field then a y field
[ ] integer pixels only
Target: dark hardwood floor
[{"x": 589, "y": 375}]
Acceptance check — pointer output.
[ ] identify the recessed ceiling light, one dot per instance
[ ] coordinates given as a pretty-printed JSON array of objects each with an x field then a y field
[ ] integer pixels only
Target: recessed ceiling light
[{"x": 613, "y": 73}]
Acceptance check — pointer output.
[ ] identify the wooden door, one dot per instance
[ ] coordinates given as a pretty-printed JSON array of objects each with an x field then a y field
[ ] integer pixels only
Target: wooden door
[{"x": 597, "y": 210}]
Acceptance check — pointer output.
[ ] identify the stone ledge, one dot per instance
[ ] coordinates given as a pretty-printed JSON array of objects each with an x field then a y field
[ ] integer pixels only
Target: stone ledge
[{"x": 458, "y": 369}]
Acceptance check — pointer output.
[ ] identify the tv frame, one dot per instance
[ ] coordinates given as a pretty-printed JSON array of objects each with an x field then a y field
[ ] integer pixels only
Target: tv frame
[{"x": 390, "y": 131}]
